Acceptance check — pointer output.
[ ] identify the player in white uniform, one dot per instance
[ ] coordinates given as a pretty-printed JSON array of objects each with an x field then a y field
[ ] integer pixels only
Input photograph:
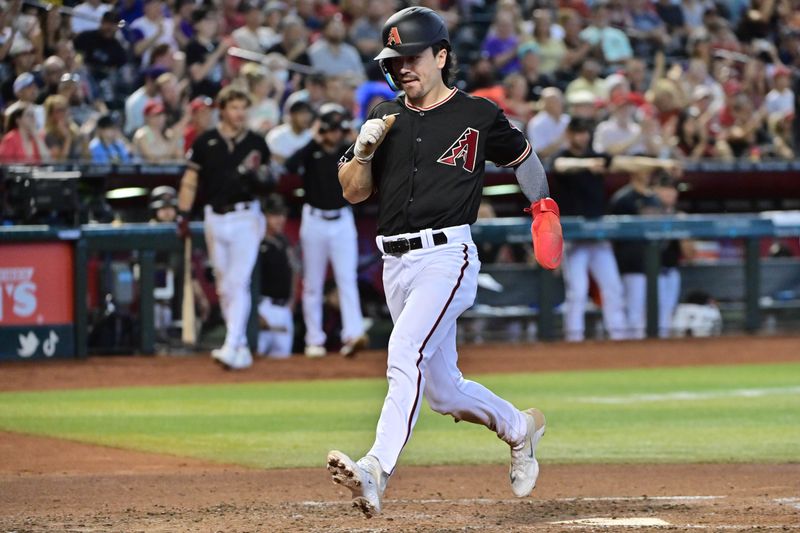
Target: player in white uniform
[
  {"x": 230, "y": 165},
  {"x": 424, "y": 153},
  {"x": 328, "y": 235}
]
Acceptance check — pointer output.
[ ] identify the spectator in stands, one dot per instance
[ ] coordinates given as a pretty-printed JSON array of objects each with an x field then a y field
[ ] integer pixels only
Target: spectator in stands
[
  {"x": 21, "y": 143},
  {"x": 621, "y": 134},
  {"x": 646, "y": 30},
  {"x": 152, "y": 29},
  {"x": 26, "y": 90},
  {"x": 100, "y": 48},
  {"x": 529, "y": 57},
  {"x": 313, "y": 93},
  {"x": 551, "y": 49},
  {"x": 577, "y": 48},
  {"x": 547, "y": 131},
  {"x": 293, "y": 44},
  {"x": 588, "y": 80},
  {"x": 583, "y": 104},
  {"x": 22, "y": 56},
  {"x": 279, "y": 279},
  {"x": 87, "y": 15},
  {"x": 162, "y": 56},
  {"x": 782, "y": 143},
  {"x": 577, "y": 186},
  {"x": 365, "y": 32},
  {"x": 201, "y": 110},
  {"x": 691, "y": 140},
  {"x": 151, "y": 142},
  {"x": 254, "y": 36},
  {"x": 780, "y": 100},
  {"x": 172, "y": 93},
  {"x": 61, "y": 134},
  {"x": 635, "y": 198},
  {"x": 745, "y": 132},
  {"x": 637, "y": 75},
  {"x": 205, "y": 54},
  {"x": 53, "y": 69},
  {"x": 672, "y": 15},
  {"x": 286, "y": 139},
  {"x": 134, "y": 105},
  {"x": 108, "y": 146},
  {"x": 82, "y": 113},
  {"x": 609, "y": 44},
  {"x": 265, "y": 113},
  {"x": 331, "y": 55},
  {"x": 516, "y": 105},
  {"x": 500, "y": 44}
]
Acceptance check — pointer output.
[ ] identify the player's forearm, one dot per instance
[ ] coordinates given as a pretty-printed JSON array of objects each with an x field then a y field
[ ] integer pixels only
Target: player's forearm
[
  {"x": 532, "y": 179},
  {"x": 356, "y": 180},
  {"x": 627, "y": 163},
  {"x": 188, "y": 190}
]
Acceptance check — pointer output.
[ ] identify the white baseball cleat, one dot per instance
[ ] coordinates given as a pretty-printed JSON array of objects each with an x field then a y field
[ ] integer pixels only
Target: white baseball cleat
[
  {"x": 353, "y": 346},
  {"x": 364, "y": 478},
  {"x": 233, "y": 358},
  {"x": 313, "y": 350},
  {"x": 524, "y": 467}
]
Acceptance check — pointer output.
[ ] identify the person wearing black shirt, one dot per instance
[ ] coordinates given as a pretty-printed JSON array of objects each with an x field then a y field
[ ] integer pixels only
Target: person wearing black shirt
[
  {"x": 423, "y": 156},
  {"x": 229, "y": 164},
  {"x": 579, "y": 188},
  {"x": 204, "y": 55},
  {"x": 328, "y": 234},
  {"x": 278, "y": 280},
  {"x": 635, "y": 198},
  {"x": 100, "y": 48}
]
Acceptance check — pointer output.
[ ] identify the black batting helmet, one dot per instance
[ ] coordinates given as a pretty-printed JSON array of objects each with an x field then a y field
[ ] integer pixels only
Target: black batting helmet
[
  {"x": 409, "y": 32},
  {"x": 333, "y": 117}
]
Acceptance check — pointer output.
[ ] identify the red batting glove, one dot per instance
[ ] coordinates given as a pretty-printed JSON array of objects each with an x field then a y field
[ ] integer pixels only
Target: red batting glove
[
  {"x": 182, "y": 226},
  {"x": 548, "y": 243}
]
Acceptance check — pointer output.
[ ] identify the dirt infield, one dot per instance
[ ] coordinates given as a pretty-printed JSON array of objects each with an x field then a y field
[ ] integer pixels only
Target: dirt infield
[{"x": 55, "y": 485}]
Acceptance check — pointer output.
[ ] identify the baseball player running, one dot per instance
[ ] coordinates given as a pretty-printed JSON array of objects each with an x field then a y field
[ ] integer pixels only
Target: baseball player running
[
  {"x": 424, "y": 153},
  {"x": 230, "y": 164}
]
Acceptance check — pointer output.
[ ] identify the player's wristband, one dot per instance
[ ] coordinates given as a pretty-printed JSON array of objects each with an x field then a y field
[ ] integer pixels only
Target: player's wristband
[{"x": 365, "y": 160}]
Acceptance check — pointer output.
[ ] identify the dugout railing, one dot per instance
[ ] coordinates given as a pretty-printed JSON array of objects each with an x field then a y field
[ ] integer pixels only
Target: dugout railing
[{"x": 147, "y": 239}]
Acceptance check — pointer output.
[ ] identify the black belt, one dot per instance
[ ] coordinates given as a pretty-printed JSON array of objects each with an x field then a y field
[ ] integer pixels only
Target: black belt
[
  {"x": 280, "y": 302},
  {"x": 229, "y": 208},
  {"x": 403, "y": 245},
  {"x": 327, "y": 214}
]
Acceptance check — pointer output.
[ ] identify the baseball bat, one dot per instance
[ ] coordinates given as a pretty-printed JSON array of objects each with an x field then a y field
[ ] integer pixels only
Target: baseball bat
[
  {"x": 188, "y": 331},
  {"x": 270, "y": 60}
]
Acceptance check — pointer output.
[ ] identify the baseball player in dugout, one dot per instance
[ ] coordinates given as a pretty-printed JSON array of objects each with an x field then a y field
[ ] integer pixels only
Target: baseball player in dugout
[
  {"x": 328, "y": 234},
  {"x": 229, "y": 164},
  {"x": 423, "y": 155}
]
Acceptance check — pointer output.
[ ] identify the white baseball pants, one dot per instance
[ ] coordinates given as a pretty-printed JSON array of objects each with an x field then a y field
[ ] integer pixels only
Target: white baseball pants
[
  {"x": 426, "y": 291},
  {"x": 275, "y": 341},
  {"x": 581, "y": 258},
  {"x": 233, "y": 240},
  {"x": 669, "y": 293},
  {"x": 323, "y": 240},
  {"x": 635, "y": 284}
]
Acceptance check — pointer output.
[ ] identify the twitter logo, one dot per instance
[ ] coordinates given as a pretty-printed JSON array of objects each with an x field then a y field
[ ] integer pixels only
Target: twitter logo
[{"x": 28, "y": 344}]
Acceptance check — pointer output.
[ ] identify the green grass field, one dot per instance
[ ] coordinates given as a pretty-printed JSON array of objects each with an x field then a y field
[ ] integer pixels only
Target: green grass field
[{"x": 745, "y": 413}]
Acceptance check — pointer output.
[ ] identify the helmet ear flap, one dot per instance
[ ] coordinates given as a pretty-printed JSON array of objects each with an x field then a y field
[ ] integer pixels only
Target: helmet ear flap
[{"x": 388, "y": 75}]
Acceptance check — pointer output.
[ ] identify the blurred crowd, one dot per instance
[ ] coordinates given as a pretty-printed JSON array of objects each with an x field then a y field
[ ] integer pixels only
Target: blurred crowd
[{"x": 135, "y": 80}]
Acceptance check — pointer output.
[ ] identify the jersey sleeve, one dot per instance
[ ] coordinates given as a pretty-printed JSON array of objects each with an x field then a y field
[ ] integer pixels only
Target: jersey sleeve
[
  {"x": 194, "y": 157},
  {"x": 506, "y": 146}
]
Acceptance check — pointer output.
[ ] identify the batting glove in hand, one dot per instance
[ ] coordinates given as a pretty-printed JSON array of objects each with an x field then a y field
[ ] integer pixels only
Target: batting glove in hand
[
  {"x": 548, "y": 242},
  {"x": 371, "y": 135},
  {"x": 182, "y": 225}
]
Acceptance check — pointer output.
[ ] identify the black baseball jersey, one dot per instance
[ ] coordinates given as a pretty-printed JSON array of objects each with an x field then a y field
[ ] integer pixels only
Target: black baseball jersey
[
  {"x": 217, "y": 160},
  {"x": 320, "y": 172},
  {"x": 581, "y": 193},
  {"x": 429, "y": 169},
  {"x": 276, "y": 267},
  {"x": 629, "y": 201}
]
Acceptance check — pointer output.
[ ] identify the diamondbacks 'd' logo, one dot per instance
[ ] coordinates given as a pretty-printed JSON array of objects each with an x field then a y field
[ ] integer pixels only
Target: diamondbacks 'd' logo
[
  {"x": 466, "y": 147},
  {"x": 394, "y": 37}
]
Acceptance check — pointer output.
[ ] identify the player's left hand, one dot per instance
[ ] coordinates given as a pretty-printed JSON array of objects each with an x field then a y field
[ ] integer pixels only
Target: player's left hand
[{"x": 548, "y": 242}]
